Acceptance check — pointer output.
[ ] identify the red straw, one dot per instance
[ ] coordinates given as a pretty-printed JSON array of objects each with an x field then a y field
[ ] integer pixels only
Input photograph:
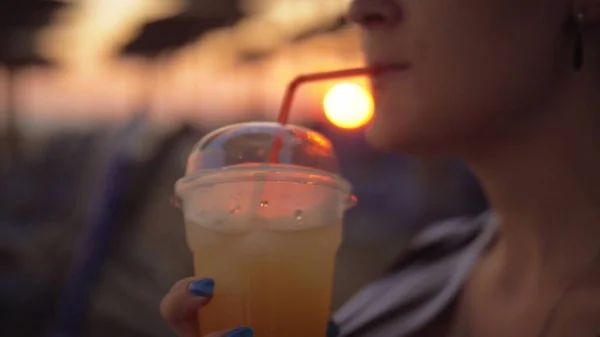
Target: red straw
[{"x": 288, "y": 98}]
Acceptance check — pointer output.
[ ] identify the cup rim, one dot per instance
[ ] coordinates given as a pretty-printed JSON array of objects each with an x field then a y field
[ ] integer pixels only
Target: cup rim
[{"x": 266, "y": 172}]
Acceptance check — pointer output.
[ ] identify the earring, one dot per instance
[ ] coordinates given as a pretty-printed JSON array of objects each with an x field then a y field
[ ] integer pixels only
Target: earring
[{"x": 578, "y": 52}]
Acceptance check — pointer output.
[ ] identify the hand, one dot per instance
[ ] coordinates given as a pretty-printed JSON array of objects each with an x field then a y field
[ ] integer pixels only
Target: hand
[{"x": 180, "y": 308}]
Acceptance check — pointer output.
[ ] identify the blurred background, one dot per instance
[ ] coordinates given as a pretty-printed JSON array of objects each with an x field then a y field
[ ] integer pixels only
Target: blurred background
[{"x": 101, "y": 101}]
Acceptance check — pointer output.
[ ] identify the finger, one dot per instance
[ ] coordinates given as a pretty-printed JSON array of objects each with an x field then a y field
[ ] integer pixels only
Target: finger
[
  {"x": 180, "y": 306},
  {"x": 239, "y": 332}
]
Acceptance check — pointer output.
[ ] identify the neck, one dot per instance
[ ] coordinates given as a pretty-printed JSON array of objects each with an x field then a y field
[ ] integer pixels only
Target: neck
[{"x": 544, "y": 184}]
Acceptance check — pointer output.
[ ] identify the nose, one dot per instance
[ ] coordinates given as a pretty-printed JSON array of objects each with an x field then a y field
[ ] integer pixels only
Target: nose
[{"x": 373, "y": 14}]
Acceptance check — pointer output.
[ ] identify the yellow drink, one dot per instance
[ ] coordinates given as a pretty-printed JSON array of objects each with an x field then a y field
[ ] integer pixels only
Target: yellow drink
[
  {"x": 277, "y": 282},
  {"x": 267, "y": 231}
]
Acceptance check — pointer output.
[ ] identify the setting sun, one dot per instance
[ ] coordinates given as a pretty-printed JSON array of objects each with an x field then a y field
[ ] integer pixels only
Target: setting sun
[{"x": 348, "y": 105}]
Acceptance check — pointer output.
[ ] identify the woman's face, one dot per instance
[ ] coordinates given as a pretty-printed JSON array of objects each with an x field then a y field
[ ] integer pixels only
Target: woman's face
[{"x": 467, "y": 69}]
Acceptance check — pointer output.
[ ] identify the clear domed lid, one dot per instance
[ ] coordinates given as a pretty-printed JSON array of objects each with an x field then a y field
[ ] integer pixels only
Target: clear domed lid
[{"x": 252, "y": 143}]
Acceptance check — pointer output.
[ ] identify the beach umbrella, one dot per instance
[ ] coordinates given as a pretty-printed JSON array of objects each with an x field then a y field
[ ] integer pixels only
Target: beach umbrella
[{"x": 158, "y": 39}]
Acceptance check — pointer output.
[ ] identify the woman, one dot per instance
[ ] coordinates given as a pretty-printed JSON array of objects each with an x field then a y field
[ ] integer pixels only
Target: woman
[{"x": 512, "y": 88}]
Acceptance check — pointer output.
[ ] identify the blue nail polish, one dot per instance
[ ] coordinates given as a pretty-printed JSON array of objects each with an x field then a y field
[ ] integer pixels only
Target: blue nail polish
[
  {"x": 203, "y": 288},
  {"x": 241, "y": 332},
  {"x": 333, "y": 330}
]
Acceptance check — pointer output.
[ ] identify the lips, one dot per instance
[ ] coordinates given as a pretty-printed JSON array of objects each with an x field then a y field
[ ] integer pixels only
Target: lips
[{"x": 388, "y": 66}]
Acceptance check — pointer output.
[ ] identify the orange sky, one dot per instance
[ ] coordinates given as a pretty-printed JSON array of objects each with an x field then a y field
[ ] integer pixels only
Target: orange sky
[{"x": 201, "y": 82}]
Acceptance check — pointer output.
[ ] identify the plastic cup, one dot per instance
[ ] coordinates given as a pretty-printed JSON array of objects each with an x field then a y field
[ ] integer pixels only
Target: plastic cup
[{"x": 266, "y": 233}]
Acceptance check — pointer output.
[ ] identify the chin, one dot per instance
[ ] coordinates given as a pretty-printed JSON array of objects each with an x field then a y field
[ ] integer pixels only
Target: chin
[
  {"x": 389, "y": 138},
  {"x": 407, "y": 137},
  {"x": 393, "y": 128}
]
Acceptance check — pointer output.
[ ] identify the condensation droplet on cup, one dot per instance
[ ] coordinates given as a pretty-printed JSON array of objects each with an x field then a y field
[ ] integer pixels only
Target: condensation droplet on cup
[
  {"x": 235, "y": 210},
  {"x": 264, "y": 204},
  {"x": 299, "y": 213},
  {"x": 176, "y": 201}
]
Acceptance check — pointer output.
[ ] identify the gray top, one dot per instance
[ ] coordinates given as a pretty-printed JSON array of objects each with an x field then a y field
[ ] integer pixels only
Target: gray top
[{"x": 424, "y": 282}]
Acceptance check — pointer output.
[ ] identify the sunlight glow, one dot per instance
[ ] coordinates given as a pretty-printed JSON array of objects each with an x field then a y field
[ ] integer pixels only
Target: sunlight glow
[{"x": 348, "y": 106}]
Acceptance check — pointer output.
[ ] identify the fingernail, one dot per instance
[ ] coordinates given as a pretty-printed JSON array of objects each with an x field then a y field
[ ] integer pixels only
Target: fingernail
[
  {"x": 203, "y": 288},
  {"x": 333, "y": 330},
  {"x": 241, "y": 332}
]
